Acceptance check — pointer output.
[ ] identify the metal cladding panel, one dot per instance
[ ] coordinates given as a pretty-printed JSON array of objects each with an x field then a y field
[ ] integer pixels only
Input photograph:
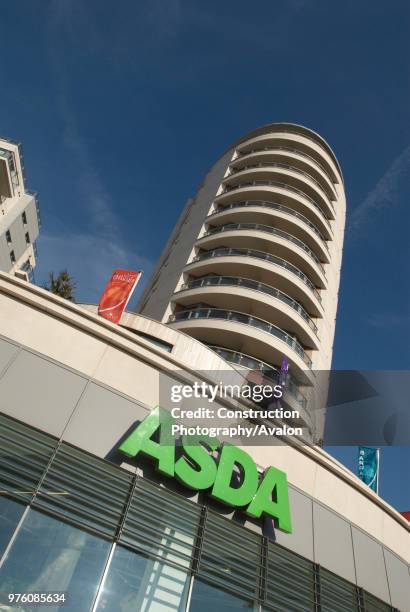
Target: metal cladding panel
[
  {"x": 399, "y": 581},
  {"x": 301, "y": 540},
  {"x": 333, "y": 542},
  {"x": 39, "y": 392},
  {"x": 103, "y": 410},
  {"x": 7, "y": 352},
  {"x": 370, "y": 566}
]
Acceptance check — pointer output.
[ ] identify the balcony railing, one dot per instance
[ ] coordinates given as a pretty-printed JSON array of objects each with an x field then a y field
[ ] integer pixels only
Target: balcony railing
[
  {"x": 285, "y": 209},
  {"x": 240, "y": 317},
  {"x": 236, "y": 169},
  {"x": 268, "y": 230},
  {"x": 266, "y": 183},
  {"x": 290, "y": 150},
  {"x": 277, "y": 261},
  {"x": 268, "y": 371},
  {"x": 248, "y": 283}
]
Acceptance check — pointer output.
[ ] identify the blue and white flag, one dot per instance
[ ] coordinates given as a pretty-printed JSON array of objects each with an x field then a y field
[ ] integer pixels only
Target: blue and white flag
[{"x": 368, "y": 467}]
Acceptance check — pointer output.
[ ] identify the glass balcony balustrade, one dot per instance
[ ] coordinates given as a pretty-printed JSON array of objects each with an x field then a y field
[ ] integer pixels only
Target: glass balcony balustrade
[
  {"x": 267, "y": 371},
  {"x": 248, "y": 283},
  {"x": 285, "y": 186},
  {"x": 280, "y": 165},
  {"x": 245, "y": 319},
  {"x": 273, "y": 149},
  {"x": 277, "y": 261},
  {"x": 269, "y": 230},
  {"x": 272, "y": 205}
]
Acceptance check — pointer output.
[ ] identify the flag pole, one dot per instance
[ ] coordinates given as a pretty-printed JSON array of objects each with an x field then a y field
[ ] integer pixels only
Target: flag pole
[{"x": 378, "y": 470}]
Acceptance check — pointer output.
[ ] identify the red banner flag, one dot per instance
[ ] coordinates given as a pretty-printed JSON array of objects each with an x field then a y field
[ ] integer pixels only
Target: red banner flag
[{"x": 117, "y": 294}]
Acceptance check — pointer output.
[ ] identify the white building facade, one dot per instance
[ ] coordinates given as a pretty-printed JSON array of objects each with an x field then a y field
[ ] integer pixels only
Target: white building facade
[{"x": 19, "y": 214}]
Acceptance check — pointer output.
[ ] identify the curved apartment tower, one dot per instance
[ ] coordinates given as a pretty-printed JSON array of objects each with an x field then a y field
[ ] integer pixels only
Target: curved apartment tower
[{"x": 252, "y": 267}]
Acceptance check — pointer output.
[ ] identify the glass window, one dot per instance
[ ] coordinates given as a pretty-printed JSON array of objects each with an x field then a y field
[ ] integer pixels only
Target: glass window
[
  {"x": 27, "y": 235},
  {"x": 49, "y": 555},
  {"x": 24, "y": 218},
  {"x": 12, "y": 257},
  {"x": 135, "y": 582},
  {"x": 206, "y": 597},
  {"x": 10, "y": 514},
  {"x": 8, "y": 237}
]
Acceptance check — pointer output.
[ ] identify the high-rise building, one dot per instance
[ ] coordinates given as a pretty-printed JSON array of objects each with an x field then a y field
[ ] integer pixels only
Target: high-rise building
[
  {"x": 19, "y": 214},
  {"x": 252, "y": 268}
]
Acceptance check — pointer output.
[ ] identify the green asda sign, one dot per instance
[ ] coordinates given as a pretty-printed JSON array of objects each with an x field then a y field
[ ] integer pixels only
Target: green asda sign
[{"x": 198, "y": 470}]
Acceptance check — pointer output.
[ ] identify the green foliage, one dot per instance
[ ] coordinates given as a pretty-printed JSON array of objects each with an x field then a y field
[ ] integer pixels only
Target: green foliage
[{"x": 62, "y": 285}]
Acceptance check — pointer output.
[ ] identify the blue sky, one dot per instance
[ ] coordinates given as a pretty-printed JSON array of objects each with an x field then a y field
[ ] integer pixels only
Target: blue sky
[{"x": 122, "y": 108}]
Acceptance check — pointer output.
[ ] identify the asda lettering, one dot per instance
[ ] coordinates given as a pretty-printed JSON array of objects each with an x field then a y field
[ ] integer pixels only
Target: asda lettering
[{"x": 198, "y": 470}]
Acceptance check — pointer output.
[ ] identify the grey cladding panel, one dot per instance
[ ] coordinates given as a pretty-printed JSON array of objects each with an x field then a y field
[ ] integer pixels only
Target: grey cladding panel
[
  {"x": 370, "y": 568},
  {"x": 101, "y": 419},
  {"x": 399, "y": 581},
  {"x": 301, "y": 539},
  {"x": 39, "y": 392},
  {"x": 333, "y": 542},
  {"x": 7, "y": 352}
]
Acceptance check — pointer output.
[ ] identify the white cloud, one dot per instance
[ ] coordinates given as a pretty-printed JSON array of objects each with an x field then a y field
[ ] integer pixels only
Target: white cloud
[
  {"x": 388, "y": 320},
  {"x": 386, "y": 191}
]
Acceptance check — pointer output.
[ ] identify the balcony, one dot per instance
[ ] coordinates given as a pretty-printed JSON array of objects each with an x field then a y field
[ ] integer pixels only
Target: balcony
[
  {"x": 260, "y": 255},
  {"x": 267, "y": 371},
  {"x": 286, "y": 187},
  {"x": 244, "y": 319},
  {"x": 273, "y": 206},
  {"x": 314, "y": 164},
  {"x": 248, "y": 283},
  {"x": 272, "y": 231},
  {"x": 300, "y": 142},
  {"x": 304, "y": 176}
]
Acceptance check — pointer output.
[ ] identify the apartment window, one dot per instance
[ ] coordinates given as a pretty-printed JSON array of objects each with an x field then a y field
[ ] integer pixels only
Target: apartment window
[
  {"x": 8, "y": 237},
  {"x": 24, "y": 218},
  {"x": 28, "y": 238},
  {"x": 12, "y": 257}
]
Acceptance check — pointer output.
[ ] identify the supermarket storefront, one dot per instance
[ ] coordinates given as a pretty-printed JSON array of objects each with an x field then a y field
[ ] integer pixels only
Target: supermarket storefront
[
  {"x": 114, "y": 540},
  {"x": 83, "y": 521}
]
